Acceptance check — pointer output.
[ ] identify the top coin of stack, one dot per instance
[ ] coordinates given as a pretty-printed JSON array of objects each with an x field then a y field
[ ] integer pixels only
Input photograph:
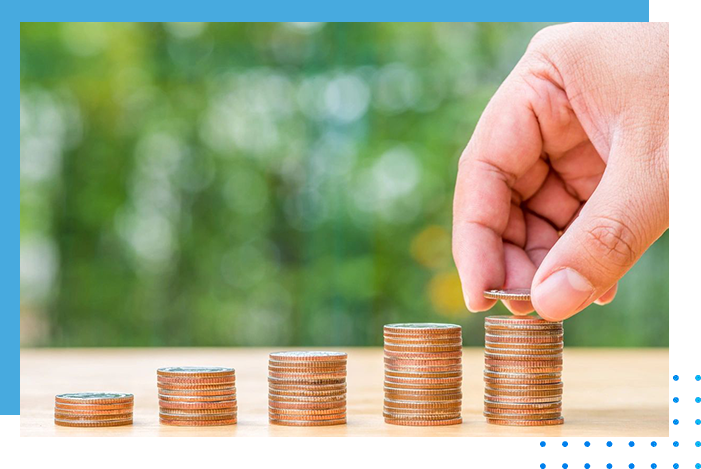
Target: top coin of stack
[
  {"x": 423, "y": 374},
  {"x": 523, "y": 366},
  {"x": 197, "y": 395},
  {"x": 307, "y": 388},
  {"x": 94, "y": 409}
]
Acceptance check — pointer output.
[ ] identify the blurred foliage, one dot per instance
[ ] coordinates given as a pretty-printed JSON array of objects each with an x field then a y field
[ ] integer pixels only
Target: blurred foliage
[{"x": 261, "y": 184}]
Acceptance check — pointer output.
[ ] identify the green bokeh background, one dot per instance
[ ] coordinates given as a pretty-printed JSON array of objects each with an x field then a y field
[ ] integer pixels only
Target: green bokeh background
[{"x": 261, "y": 184}]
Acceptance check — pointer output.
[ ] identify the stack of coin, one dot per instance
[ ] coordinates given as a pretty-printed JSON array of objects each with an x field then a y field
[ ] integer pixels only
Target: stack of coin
[
  {"x": 94, "y": 409},
  {"x": 197, "y": 396},
  {"x": 523, "y": 366},
  {"x": 423, "y": 374},
  {"x": 307, "y": 388}
]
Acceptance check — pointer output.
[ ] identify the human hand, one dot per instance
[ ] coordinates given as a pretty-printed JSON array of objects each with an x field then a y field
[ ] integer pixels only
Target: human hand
[{"x": 565, "y": 181}]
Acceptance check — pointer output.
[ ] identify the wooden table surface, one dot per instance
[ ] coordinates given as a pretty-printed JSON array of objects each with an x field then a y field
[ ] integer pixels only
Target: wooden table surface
[{"x": 608, "y": 392}]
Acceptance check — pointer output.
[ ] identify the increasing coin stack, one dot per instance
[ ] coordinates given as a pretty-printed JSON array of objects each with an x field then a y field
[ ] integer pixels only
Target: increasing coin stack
[
  {"x": 423, "y": 374},
  {"x": 94, "y": 409},
  {"x": 196, "y": 396},
  {"x": 307, "y": 388},
  {"x": 523, "y": 366}
]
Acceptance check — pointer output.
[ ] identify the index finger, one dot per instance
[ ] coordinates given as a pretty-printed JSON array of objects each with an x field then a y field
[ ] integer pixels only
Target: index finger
[{"x": 506, "y": 144}]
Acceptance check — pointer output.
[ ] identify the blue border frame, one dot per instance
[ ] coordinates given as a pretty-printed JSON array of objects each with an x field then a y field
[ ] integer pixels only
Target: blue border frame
[{"x": 683, "y": 271}]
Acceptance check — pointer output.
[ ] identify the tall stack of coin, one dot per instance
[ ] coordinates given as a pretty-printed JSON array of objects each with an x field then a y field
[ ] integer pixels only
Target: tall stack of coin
[
  {"x": 197, "y": 396},
  {"x": 94, "y": 409},
  {"x": 423, "y": 374},
  {"x": 523, "y": 366},
  {"x": 307, "y": 388}
]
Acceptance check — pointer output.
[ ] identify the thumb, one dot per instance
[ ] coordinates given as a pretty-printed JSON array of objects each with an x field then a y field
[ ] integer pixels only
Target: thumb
[{"x": 627, "y": 212}]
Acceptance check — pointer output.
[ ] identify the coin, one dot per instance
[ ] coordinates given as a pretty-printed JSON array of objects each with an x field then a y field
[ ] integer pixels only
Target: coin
[
  {"x": 307, "y": 418},
  {"x": 390, "y": 396},
  {"x": 457, "y": 340},
  {"x": 307, "y": 423},
  {"x": 423, "y": 423},
  {"x": 308, "y": 376},
  {"x": 520, "y": 417},
  {"x": 318, "y": 399},
  {"x": 95, "y": 398},
  {"x": 195, "y": 371},
  {"x": 311, "y": 393},
  {"x": 404, "y": 362},
  {"x": 309, "y": 356},
  {"x": 103, "y": 423},
  {"x": 197, "y": 423},
  {"x": 90, "y": 412},
  {"x": 282, "y": 386},
  {"x": 307, "y": 405},
  {"x": 420, "y": 355},
  {"x": 166, "y": 380},
  {"x": 196, "y": 417},
  {"x": 421, "y": 416},
  {"x": 166, "y": 397},
  {"x": 93, "y": 407},
  {"x": 194, "y": 387},
  {"x": 306, "y": 369},
  {"x": 198, "y": 412},
  {"x": 454, "y": 405},
  {"x": 513, "y": 294},
  {"x": 526, "y": 423},
  {"x": 196, "y": 405},
  {"x": 298, "y": 412},
  {"x": 92, "y": 417},
  {"x": 421, "y": 328}
]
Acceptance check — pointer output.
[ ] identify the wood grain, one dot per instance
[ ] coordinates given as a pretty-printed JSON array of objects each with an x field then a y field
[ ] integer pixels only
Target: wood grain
[{"x": 607, "y": 393}]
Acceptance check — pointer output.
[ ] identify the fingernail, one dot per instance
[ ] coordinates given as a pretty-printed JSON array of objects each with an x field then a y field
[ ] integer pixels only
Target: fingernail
[
  {"x": 561, "y": 295},
  {"x": 467, "y": 303}
]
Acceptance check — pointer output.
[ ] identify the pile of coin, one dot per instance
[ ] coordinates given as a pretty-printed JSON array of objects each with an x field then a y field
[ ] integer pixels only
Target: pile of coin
[
  {"x": 523, "y": 366},
  {"x": 307, "y": 388},
  {"x": 423, "y": 374},
  {"x": 197, "y": 396},
  {"x": 94, "y": 409}
]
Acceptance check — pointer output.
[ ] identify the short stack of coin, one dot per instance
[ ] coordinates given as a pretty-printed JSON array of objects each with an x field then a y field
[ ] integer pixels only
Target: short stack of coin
[
  {"x": 523, "y": 366},
  {"x": 423, "y": 374},
  {"x": 307, "y": 388},
  {"x": 196, "y": 396},
  {"x": 94, "y": 409}
]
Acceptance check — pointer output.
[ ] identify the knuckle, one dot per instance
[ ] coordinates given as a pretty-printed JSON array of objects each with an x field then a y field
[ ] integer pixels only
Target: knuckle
[
  {"x": 611, "y": 242},
  {"x": 543, "y": 38}
]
